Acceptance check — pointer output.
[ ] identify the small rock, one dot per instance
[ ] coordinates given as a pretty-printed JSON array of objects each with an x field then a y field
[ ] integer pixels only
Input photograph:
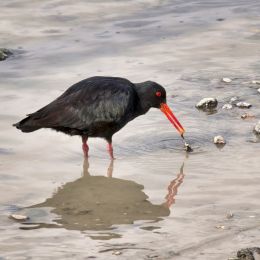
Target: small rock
[
  {"x": 4, "y": 54},
  {"x": 255, "y": 82},
  {"x": 227, "y": 106},
  {"x": 18, "y": 217},
  {"x": 219, "y": 140},
  {"x": 249, "y": 253},
  {"x": 243, "y": 105},
  {"x": 230, "y": 215},
  {"x": 220, "y": 227},
  {"x": 116, "y": 253},
  {"x": 234, "y": 99},
  {"x": 258, "y": 90},
  {"x": 247, "y": 116},
  {"x": 188, "y": 147},
  {"x": 226, "y": 80},
  {"x": 257, "y": 128},
  {"x": 152, "y": 256},
  {"x": 207, "y": 103}
]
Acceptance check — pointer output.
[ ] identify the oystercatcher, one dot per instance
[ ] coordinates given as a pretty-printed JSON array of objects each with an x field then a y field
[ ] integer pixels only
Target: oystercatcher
[{"x": 99, "y": 107}]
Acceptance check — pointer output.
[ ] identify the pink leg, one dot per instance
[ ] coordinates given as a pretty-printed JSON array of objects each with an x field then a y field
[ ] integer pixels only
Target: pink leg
[
  {"x": 110, "y": 150},
  {"x": 85, "y": 146}
]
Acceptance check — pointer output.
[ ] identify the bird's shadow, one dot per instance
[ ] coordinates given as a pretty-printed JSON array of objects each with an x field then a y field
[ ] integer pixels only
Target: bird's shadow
[{"x": 99, "y": 203}]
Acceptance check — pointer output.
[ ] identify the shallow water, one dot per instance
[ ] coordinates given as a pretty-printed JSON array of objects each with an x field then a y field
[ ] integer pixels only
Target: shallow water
[{"x": 155, "y": 200}]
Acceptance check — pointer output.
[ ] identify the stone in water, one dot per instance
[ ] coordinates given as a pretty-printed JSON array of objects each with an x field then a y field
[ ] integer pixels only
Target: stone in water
[
  {"x": 207, "y": 103},
  {"x": 255, "y": 81},
  {"x": 219, "y": 140},
  {"x": 243, "y": 105},
  {"x": 4, "y": 54},
  {"x": 252, "y": 253},
  {"x": 116, "y": 253},
  {"x": 247, "y": 116},
  {"x": 230, "y": 215},
  {"x": 257, "y": 128},
  {"x": 19, "y": 217},
  {"x": 227, "y": 106},
  {"x": 226, "y": 80},
  {"x": 188, "y": 147},
  {"x": 234, "y": 99}
]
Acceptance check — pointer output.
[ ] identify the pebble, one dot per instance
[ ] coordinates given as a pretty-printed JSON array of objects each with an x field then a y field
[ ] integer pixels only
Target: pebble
[
  {"x": 188, "y": 147},
  {"x": 230, "y": 215},
  {"x": 219, "y": 140},
  {"x": 227, "y": 106},
  {"x": 234, "y": 99},
  {"x": 116, "y": 253},
  {"x": 220, "y": 227},
  {"x": 226, "y": 80},
  {"x": 258, "y": 90},
  {"x": 243, "y": 105},
  {"x": 247, "y": 116},
  {"x": 257, "y": 128},
  {"x": 252, "y": 253},
  {"x": 152, "y": 256},
  {"x": 255, "y": 82},
  {"x": 4, "y": 54},
  {"x": 18, "y": 217},
  {"x": 207, "y": 103}
]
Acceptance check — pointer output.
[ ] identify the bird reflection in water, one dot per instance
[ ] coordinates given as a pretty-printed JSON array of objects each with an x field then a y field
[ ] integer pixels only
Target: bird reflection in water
[
  {"x": 173, "y": 187},
  {"x": 97, "y": 203}
]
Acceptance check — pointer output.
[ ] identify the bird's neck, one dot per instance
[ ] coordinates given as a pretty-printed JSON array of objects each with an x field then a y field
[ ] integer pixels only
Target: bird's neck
[{"x": 142, "y": 106}]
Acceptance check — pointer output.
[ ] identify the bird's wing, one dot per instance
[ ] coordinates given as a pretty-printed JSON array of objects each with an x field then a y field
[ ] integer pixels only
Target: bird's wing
[{"x": 88, "y": 103}]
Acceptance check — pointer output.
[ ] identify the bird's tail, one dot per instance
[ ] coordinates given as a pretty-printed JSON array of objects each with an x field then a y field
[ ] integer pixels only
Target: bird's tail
[{"x": 27, "y": 125}]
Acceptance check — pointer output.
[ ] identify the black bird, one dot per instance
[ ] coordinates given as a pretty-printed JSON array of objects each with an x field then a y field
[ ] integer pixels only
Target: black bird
[{"x": 99, "y": 107}]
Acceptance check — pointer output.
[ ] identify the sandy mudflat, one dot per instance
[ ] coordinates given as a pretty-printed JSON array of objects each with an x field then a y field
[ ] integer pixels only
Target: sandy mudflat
[{"x": 160, "y": 203}]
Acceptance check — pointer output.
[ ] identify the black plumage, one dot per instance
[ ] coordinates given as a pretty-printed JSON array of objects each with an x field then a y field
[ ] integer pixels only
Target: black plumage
[{"x": 96, "y": 107}]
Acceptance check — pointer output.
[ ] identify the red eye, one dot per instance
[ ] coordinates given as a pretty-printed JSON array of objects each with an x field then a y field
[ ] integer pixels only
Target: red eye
[{"x": 158, "y": 93}]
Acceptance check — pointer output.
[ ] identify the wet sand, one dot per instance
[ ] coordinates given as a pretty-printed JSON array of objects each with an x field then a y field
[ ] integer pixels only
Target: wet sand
[{"x": 160, "y": 203}]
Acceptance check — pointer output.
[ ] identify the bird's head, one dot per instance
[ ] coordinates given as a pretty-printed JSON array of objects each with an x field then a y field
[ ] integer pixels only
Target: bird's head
[{"x": 151, "y": 95}]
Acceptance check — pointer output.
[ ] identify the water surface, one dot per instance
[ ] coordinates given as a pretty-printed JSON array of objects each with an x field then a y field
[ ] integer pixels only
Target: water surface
[{"x": 155, "y": 200}]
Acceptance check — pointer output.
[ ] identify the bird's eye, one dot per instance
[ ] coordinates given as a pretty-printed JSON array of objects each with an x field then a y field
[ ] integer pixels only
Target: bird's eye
[{"x": 158, "y": 93}]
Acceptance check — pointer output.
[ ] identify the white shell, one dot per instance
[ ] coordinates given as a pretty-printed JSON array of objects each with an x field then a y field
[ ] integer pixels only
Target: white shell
[
  {"x": 226, "y": 80},
  {"x": 219, "y": 140},
  {"x": 227, "y": 106},
  {"x": 19, "y": 217},
  {"x": 116, "y": 253},
  {"x": 243, "y": 105}
]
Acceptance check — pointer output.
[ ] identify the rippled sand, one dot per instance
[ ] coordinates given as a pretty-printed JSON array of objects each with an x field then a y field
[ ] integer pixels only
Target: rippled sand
[{"x": 155, "y": 200}]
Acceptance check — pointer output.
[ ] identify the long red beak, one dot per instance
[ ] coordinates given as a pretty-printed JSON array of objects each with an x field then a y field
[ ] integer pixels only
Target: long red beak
[{"x": 167, "y": 111}]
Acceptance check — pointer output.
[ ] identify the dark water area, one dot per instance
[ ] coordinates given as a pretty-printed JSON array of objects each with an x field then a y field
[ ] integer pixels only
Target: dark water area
[{"x": 155, "y": 200}]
